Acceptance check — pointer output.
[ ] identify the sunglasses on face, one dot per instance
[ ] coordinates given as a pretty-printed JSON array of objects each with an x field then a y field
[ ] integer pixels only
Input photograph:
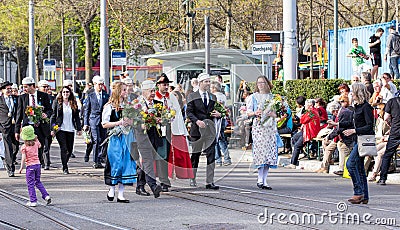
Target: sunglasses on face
[{"x": 65, "y": 92}]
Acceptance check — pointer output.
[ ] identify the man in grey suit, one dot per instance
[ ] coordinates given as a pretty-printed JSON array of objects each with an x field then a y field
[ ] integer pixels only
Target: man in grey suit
[
  {"x": 200, "y": 111},
  {"x": 8, "y": 110},
  {"x": 92, "y": 117}
]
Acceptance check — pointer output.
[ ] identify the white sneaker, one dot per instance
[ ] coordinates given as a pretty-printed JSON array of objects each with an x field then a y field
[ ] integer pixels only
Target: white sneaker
[
  {"x": 48, "y": 200},
  {"x": 31, "y": 204},
  {"x": 291, "y": 166}
]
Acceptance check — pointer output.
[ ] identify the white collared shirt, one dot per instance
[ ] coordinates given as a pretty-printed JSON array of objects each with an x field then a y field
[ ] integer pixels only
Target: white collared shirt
[
  {"x": 202, "y": 96},
  {"x": 30, "y": 99}
]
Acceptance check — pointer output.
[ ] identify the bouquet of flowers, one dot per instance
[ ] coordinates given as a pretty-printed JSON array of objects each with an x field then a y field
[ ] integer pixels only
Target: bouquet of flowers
[
  {"x": 157, "y": 116},
  {"x": 35, "y": 114},
  {"x": 271, "y": 105},
  {"x": 55, "y": 129},
  {"x": 132, "y": 111},
  {"x": 221, "y": 109}
]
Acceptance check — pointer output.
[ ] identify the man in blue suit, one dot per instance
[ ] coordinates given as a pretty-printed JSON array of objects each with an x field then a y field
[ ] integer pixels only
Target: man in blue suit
[{"x": 92, "y": 117}]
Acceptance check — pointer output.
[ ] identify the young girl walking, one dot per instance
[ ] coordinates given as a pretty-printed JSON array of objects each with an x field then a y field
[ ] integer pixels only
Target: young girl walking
[{"x": 29, "y": 152}]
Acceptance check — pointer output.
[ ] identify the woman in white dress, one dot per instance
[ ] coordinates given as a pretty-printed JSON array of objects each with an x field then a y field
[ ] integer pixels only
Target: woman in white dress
[{"x": 263, "y": 132}]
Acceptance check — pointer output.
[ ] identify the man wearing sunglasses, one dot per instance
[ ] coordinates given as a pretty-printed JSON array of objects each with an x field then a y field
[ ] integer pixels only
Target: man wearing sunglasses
[{"x": 44, "y": 87}]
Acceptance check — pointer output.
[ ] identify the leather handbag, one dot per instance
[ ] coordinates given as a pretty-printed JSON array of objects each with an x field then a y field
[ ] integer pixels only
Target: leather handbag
[{"x": 366, "y": 145}]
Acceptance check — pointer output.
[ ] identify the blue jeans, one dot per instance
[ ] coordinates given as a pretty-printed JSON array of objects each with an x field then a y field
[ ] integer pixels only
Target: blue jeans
[
  {"x": 222, "y": 146},
  {"x": 355, "y": 166},
  {"x": 394, "y": 67}
]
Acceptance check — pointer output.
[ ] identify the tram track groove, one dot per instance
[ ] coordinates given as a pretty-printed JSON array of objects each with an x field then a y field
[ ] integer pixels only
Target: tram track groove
[{"x": 16, "y": 198}]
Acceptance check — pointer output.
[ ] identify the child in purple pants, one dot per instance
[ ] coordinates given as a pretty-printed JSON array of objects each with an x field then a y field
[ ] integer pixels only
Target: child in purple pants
[{"x": 29, "y": 152}]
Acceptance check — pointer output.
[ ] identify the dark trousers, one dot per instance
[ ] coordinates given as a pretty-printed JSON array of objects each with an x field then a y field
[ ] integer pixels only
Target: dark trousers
[
  {"x": 98, "y": 136},
  {"x": 391, "y": 148},
  {"x": 9, "y": 148},
  {"x": 297, "y": 143},
  {"x": 66, "y": 142},
  {"x": 144, "y": 178},
  {"x": 89, "y": 149},
  {"x": 46, "y": 150},
  {"x": 206, "y": 143}
]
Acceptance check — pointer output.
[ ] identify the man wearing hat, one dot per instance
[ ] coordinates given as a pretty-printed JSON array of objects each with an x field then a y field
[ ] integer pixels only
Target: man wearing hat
[
  {"x": 200, "y": 111},
  {"x": 14, "y": 89},
  {"x": 147, "y": 143},
  {"x": 8, "y": 110},
  {"x": 174, "y": 136},
  {"x": 130, "y": 89},
  {"x": 44, "y": 87},
  {"x": 32, "y": 97},
  {"x": 124, "y": 75},
  {"x": 92, "y": 117}
]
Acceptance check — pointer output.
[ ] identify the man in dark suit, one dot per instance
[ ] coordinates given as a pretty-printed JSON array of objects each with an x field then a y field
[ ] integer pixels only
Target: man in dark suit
[
  {"x": 44, "y": 87},
  {"x": 34, "y": 98},
  {"x": 8, "y": 110},
  {"x": 92, "y": 117},
  {"x": 200, "y": 111}
]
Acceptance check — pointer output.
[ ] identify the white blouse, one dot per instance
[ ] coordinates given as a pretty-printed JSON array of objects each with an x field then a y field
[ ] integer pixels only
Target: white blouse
[
  {"x": 67, "y": 124},
  {"x": 105, "y": 118}
]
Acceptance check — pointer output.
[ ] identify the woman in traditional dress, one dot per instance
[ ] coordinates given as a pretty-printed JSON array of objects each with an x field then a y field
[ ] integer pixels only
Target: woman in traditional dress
[
  {"x": 264, "y": 133},
  {"x": 120, "y": 167}
]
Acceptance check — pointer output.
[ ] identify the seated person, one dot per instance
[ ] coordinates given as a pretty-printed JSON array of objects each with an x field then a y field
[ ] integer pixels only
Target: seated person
[
  {"x": 343, "y": 119},
  {"x": 320, "y": 105},
  {"x": 285, "y": 123},
  {"x": 382, "y": 134},
  {"x": 310, "y": 127}
]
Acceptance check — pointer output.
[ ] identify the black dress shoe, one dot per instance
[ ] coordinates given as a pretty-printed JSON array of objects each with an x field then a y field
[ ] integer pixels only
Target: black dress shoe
[
  {"x": 212, "y": 186},
  {"x": 142, "y": 192},
  {"x": 65, "y": 172},
  {"x": 11, "y": 174},
  {"x": 266, "y": 187},
  {"x": 46, "y": 167},
  {"x": 122, "y": 201},
  {"x": 260, "y": 185},
  {"x": 86, "y": 159},
  {"x": 109, "y": 198},
  {"x": 381, "y": 182},
  {"x": 156, "y": 191},
  {"x": 164, "y": 188},
  {"x": 193, "y": 183},
  {"x": 98, "y": 166},
  {"x": 73, "y": 155}
]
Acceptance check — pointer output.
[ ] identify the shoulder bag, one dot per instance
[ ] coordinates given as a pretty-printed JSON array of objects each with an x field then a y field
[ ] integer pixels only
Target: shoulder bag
[{"x": 366, "y": 145}]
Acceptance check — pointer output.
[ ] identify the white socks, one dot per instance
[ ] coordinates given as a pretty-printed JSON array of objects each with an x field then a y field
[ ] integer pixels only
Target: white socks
[
  {"x": 121, "y": 191},
  {"x": 266, "y": 170},
  {"x": 111, "y": 191},
  {"x": 262, "y": 175}
]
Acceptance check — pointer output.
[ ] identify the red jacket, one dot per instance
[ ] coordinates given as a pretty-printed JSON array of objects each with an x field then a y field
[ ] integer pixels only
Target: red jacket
[{"x": 310, "y": 124}]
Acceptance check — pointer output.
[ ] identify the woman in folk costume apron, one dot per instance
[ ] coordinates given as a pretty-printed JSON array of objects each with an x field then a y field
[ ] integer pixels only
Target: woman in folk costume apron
[
  {"x": 120, "y": 167},
  {"x": 264, "y": 131}
]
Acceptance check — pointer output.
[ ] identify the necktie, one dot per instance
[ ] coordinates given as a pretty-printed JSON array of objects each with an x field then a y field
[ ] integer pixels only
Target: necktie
[
  {"x": 205, "y": 99},
  {"x": 33, "y": 100},
  {"x": 165, "y": 102},
  {"x": 8, "y": 102},
  {"x": 99, "y": 98}
]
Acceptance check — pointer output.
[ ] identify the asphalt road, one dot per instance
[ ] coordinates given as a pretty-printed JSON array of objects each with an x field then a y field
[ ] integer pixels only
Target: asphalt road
[{"x": 299, "y": 200}]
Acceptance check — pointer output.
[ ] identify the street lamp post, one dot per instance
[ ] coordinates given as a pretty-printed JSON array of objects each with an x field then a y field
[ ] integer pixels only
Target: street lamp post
[
  {"x": 31, "y": 57},
  {"x": 207, "y": 45},
  {"x": 104, "y": 49}
]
